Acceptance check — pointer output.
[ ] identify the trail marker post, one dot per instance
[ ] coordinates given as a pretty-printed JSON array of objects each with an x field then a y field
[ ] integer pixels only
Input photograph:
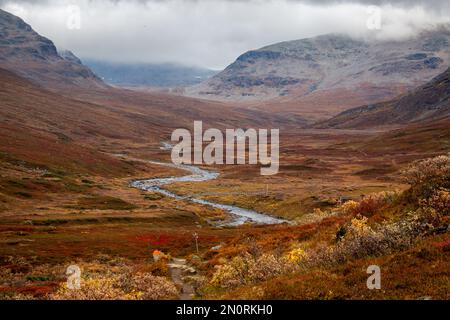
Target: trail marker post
[{"x": 195, "y": 236}]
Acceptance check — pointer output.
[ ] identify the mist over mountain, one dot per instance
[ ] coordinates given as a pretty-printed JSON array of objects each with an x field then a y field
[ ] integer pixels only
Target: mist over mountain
[
  {"x": 330, "y": 62},
  {"x": 149, "y": 75}
]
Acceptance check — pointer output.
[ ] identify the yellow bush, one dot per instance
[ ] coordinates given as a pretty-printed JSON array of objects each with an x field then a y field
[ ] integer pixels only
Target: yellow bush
[
  {"x": 248, "y": 269},
  {"x": 296, "y": 255},
  {"x": 358, "y": 227},
  {"x": 91, "y": 289},
  {"x": 349, "y": 207}
]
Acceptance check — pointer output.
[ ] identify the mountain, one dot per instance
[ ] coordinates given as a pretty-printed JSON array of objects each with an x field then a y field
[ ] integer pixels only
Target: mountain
[
  {"x": 54, "y": 111},
  {"x": 78, "y": 133},
  {"x": 330, "y": 73},
  {"x": 32, "y": 56},
  {"x": 149, "y": 75},
  {"x": 426, "y": 103}
]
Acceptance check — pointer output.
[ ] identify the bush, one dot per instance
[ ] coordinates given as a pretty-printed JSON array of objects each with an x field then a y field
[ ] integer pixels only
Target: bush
[
  {"x": 104, "y": 288},
  {"x": 149, "y": 287},
  {"x": 439, "y": 201},
  {"x": 370, "y": 204},
  {"x": 141, "y": 286},
  {"x": 248, "y": 269},
  {"x": 428, "y": 175},
  {"x": 361, "y": 240},
  {"x": 296, "y": 255},
  {"x": 349, "y": 207}
]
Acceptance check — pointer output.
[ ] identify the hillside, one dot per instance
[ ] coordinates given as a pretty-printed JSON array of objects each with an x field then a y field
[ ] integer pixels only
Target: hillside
[
  {"x": 98, "y": 118},
  {"x": 428, "y": 102},
  {"x": 322, "y": 76},
  {"x": 35, "y": 57}
]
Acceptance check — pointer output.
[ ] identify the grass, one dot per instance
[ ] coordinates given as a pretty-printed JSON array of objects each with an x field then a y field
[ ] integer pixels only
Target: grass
[
  {"x": 100, "y": 215},
  {"x": 103, "y": 203}
]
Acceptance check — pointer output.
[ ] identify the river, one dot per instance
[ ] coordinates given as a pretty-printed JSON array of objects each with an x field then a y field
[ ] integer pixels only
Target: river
[{"x": 239, "y": 215}]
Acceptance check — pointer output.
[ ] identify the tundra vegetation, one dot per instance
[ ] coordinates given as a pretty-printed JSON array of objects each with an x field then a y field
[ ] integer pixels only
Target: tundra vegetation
[{"x": 322, "y": 258}]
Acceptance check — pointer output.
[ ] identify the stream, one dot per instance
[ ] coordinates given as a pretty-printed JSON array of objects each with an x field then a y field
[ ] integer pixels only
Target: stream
[{"x": 239, "y": 215}]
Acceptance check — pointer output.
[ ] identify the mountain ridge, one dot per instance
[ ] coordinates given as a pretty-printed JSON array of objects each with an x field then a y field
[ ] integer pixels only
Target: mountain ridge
[
  {"x": 32, "y": 56},
  {"x": 328, "y": 74},
  {"x": 428, "y": 102}
]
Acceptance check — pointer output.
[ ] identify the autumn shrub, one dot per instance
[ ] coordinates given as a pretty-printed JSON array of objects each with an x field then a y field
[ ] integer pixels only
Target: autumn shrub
[
  {"x": 349, "y": 207},
  {"x": 101, "y": 288},
  {"x": 159, "y": 268},
  {"x": 439, "y": 201},
  {"x": 150, "y": 287},
  {"x": 370, "y": 204},
  {"x": 297, "y": 255},
  {"x": 361, "y": 240},
  {"x": 116, "y": 280},
  {"x": 141, "y": 286},
  {"x": 16, "y": 296},
  {"x": 248, "y": 269},
  {"x": 427, "y": 176}
]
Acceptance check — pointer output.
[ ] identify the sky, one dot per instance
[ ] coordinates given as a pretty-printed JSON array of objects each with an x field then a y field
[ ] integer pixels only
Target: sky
[{"x": 213, "y": 33}]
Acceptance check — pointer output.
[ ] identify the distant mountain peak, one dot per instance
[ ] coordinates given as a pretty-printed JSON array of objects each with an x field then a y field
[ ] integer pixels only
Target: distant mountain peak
[{"x": 330, "y": 62}]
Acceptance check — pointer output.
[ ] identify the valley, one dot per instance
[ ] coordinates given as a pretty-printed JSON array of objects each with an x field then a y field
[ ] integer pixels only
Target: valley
[{"x": 87, "y": 179}]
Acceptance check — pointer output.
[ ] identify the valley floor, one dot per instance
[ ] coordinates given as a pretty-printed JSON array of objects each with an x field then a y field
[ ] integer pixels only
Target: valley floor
[{"x": 50, "y": 220}]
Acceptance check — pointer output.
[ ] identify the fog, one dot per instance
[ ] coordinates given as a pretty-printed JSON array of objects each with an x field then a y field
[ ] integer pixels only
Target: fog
[{"x": 213, "y": 33}]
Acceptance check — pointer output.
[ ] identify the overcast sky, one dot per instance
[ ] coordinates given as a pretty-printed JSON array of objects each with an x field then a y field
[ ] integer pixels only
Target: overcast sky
[{"x": 213, "y": 33}]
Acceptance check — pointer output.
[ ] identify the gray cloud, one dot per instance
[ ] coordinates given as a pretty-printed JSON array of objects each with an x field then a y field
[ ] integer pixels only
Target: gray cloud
[{"x": 213, "y": 33}]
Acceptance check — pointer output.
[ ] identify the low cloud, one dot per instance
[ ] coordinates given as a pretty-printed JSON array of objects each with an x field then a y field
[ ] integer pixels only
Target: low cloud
[{"x": 212, "y": 33}]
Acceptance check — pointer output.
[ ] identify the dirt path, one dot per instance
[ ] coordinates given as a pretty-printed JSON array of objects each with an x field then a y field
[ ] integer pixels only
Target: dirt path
[{"x": 178, "y": 270}]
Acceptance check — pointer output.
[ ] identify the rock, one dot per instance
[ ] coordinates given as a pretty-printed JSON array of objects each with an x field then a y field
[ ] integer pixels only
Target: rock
[{"x": 216, "y": 248}]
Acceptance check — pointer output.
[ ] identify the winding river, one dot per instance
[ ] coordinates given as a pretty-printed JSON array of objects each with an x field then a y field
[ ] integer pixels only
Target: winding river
[{"x": 239, "y": 215}]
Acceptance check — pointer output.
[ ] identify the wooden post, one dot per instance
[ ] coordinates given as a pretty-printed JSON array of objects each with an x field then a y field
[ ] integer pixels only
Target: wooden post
[{"x": 195, "y": 235}]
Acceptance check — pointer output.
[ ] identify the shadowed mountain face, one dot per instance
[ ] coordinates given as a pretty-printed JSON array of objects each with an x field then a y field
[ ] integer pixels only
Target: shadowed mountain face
[
  {"x": 35, "y": 57},
  {"x": 331, "y": 63},
  {"x": 428, "y": 102}
]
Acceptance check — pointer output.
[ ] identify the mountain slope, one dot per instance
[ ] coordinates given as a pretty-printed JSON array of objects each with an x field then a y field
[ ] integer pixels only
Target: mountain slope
[
  {"x": 48, "y": 130},
  {"x": 328, "y": 74},
  {"x": 52, "y": 130},
  {"x": 428, "y": 102},
  {"x": 330, "y": 61},
  {"x": 35, "y": 57}
]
